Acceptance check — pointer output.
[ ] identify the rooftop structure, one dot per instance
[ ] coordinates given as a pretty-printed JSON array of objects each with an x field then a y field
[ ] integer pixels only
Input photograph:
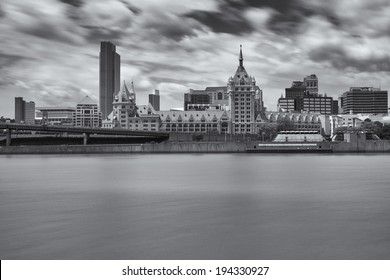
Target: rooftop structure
[{"x": 298, "y": 136}]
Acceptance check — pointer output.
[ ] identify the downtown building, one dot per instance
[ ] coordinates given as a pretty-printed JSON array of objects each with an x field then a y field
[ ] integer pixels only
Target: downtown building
[
  {"x": 24, "y": 111},
  {"x": 364, "y": 100},
  {"x": 303, "y": 96},
  {"x": 127, "y": 115},
  {"x": 55, "y": 115},
  {"x": 211, "y": 98},
  {"x": 245, "y": 100},
  {"x": 154, "y": 99},
  {"x": 87, "y": 113},
  {"x": 109, "y": 77}
]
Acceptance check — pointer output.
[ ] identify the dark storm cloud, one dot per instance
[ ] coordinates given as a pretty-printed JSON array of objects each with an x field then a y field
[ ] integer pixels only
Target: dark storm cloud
[
  {"x": 229, "y": 18},
  {"x": 288, "y": 16},
  {"x": 47, "y": 30},
  {"x": 223, "y": 22},
  {"x": 341, "y": 59},
  {"x": 2, "y": 12},
  {"x": 169, "y": 26},
  {"x": 74, "y": 3},
  {"x": 131, "y": 7},
  {"x": 291, "y": 14},
  {"x": 8, "y": 60},
  {"x": 97, "y": 34}
]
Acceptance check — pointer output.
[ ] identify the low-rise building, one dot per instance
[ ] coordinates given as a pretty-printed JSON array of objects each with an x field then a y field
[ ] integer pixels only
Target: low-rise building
[
  {"x": 87, "y": 113},
  {"x": 209, "y": 121},
  {"x": 55, "y": 115}
]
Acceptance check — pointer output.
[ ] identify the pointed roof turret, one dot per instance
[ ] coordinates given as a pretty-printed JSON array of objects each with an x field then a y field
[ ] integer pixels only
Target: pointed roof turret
[
  {"x": 241, "y": 77},
  {"x": 132, "y": 94},
  {"x": 241, "y": 59},
  {"x": 86, "y": 101},
  {"x": 123, "y": 94}
]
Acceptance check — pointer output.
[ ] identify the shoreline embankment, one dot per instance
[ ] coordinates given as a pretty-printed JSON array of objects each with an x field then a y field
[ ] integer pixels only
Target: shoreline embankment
[{"x": 377, "y": 146}]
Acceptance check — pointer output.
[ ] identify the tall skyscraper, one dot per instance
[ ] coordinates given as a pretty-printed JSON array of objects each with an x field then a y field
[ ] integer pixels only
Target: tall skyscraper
[
  {"x": 109, "y": 80},
  {"x": 154, "y": 99},
  {"x": 19, "y": 109}
]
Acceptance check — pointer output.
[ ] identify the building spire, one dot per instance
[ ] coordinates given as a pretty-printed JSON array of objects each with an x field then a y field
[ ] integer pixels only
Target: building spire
[{"x": 241, "y": 58}]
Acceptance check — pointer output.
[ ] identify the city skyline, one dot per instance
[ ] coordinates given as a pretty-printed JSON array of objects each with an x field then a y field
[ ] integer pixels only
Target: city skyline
[{"x": 50, "y": 50}]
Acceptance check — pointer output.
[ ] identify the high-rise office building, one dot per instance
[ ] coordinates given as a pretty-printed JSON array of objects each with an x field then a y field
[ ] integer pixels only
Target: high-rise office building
[
  {"x": 19, "y": 109},
  {"x": 29, "y": 112},
  {"x": 109, "y": 79},
  {"x": 24, "y": 111},
  {"x": 154, "y": 100},
  {"x": 365, "y": 100}
]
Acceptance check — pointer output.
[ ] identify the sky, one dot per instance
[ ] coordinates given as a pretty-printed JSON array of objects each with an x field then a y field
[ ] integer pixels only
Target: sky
[{"x": 50, "y": 48}]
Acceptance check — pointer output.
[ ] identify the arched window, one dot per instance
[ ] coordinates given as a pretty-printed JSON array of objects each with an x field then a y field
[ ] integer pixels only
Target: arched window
[{"x": 220, "y": 96}]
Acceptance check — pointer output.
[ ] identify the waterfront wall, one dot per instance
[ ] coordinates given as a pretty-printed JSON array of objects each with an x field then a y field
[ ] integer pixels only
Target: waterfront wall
[
  {"x": 167, "y": 147},
  {"x": 373, "y": 146},
  {"x": 377, "y": 146}
]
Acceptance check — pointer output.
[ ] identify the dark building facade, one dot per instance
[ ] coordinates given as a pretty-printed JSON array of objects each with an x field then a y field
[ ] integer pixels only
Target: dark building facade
[
  {"x": 209, "y": 98},
  {"x": 365, "y": 100},
  {"x": 318, "y": 104},
  {"x": 335, "y": 107},
  {"x": 154, "y": 100},
  {"x": 109, "y": 77},
  {"x": 24, "y": 111},
  {"x": 196, "y": 99},
  {"x": 19, "y": 109},
  {"x": 304, "y": 97},
  {"x": 296, "y": 93}
]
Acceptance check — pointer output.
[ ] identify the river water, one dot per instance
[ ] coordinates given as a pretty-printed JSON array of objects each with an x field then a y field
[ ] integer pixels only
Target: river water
[{"x": 192, "y": 206}]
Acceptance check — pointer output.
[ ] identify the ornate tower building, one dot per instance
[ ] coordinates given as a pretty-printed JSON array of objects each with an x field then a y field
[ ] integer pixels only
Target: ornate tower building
[
  {"x": 245, "y": 100},
  {"x": 124, "y": 107}
]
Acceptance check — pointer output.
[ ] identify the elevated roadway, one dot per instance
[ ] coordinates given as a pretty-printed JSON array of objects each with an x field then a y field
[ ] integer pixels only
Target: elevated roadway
[{"x": 85, "y": 131}]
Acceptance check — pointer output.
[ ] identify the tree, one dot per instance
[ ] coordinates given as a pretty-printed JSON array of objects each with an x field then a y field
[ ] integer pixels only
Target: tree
[
  {"x": 285, "y": 125},
  {"x": 268, "y": 131}
]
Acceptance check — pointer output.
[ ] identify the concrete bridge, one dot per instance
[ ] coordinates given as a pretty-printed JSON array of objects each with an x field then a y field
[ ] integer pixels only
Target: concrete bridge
[{"x": 85, "y": 131}]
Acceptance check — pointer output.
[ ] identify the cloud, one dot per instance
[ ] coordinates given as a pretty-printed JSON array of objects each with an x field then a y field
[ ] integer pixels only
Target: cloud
[
  {"x": 228, "y": 19},
  {"x": 7, "y": 60},
  {"x": 2, "y": 12},
  {"x": 286, "y": 17},
  {"x": 176, "y": 45},
  {"x": 74, "y": 3},
  {"x": 65, "y": 94},
  {"x": 340, "y": 58},
  {"x": 131, "y": 7},
  {"x": 41, "y": 20}
]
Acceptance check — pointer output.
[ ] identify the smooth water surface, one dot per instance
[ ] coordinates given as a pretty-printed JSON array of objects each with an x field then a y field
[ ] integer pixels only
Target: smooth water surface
[{"x": 191, "y": 206}]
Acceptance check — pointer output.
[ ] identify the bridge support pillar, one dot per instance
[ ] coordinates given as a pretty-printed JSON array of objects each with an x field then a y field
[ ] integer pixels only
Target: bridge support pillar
[
  {"x": 86, "y": 138},
  {"x": 8, "y": 140}
]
